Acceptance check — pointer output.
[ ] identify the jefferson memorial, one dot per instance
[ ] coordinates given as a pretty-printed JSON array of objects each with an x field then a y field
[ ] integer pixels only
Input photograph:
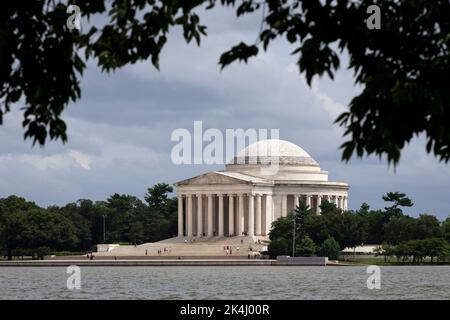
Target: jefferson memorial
[{"x": 248, "y": 195}]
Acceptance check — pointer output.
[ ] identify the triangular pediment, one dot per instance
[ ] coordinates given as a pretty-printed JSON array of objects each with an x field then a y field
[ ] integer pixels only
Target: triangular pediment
[{"x": 213, "y": 178}]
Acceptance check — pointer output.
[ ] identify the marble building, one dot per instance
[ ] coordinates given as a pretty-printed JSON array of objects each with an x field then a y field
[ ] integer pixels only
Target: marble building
[{"x": 246, "y": 197}]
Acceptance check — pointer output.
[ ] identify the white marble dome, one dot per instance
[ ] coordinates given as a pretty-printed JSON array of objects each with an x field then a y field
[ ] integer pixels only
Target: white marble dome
[
  {"x": 269, "y": 150},
  {"x": 273, "y": 147}
]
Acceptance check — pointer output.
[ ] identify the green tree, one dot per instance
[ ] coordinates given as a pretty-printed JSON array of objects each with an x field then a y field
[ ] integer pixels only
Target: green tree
[
  {"x": 13, "y": 229},
  {"x": 399, "y": 229},
  {"x": 422, "y": 248},
  {"x": 386, "y": 250},
  {"x": 316, "y": 228},
  {"x": 13, "y": 203},
  {"x": 328, "y": 208},
  {"x": 435, "y": 247},
  {"x": 446, "y": 229},
  {"x": 31, "y": 228},
  {"x": 399, "y": 200},
  {"x": 278, "y": 247},
  {"x": 329, "y": 248},
  {"x": 161, "y": 218},
  {"x": 122, "y": 221},
  {"x": 374, "y": 227},
  {"x": 352, "y": 230},
  {"x": 49, "y": 229},
  {"x": 157, "y": 197},
  {"x": 82, "y": 225},
  {"x": 427, "y": 226},
  {"x": 301, "y": 212},
  {"x": 402, "y": 68},
  {"x": 305, "y": 247},
  {"x": 282, "y": 228}
]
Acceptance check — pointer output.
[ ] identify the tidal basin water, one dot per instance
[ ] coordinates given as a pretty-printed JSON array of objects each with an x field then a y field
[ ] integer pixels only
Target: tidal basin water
[{"x": 397, "y": 282}]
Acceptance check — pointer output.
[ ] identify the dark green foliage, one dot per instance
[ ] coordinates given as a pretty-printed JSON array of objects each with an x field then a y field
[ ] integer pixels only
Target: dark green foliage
[
  {"x": 417, "y": 250},
  {"x": 401, "y": 235},
  {"x": 329, "y": 248},
  {"x": 446, "y": 229},
  {"x": 24, "y": 225},
  {"x": 347, "y": 228},
  {"x": 400, "y": 200},
  {"x": 279, "y": 247},
  {"x": 27, "y": 228},
  {"x": 374, "y": 224},
  {"x": 403, "y": 67},
  {"x": 157, "y": 197},
  {"x": 404, "y": 228},
  {"x": 305, "y": 247},
  {"x": 399, "y": 229},
  {"x": 427, "y": 226}
]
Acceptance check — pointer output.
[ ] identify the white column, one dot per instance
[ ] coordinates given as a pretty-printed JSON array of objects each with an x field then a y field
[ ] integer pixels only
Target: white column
[
  {"x": 345, "y": 203},
  {"x": 180, "y": 215},
  {"x": 319, "y": 202},
  {"x": 210, "y": 215},
  {"x": 221, "y": 222},
  {"x": 336, "y": 201},
  {"x": 284, "y": 205},
  {"x": 240, "y": 224},
  {"x": 308, "y": 200},
  {"x": 268, "y": 216},
  {"x": 189, "y": 216},
  {"x": 230, "y": 214},
  {"x": 251, "y": 215},
  {"x": 199, "y": 215},
  {"x": 296, "y": 201},
  {"x": 258, "y": 215}
]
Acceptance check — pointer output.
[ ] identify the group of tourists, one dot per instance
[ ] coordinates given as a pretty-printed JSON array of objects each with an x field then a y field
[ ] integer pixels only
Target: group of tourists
[
  {"x": 163, "y": 250},
  {"x": 90, "y": 256},
  {"x": 228, "y": 250}
]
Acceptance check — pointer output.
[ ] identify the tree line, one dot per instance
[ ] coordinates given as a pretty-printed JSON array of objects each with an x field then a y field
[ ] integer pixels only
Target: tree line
[
  {"x": 402, "y": 236},
  {"x": 28, "y": 229}
]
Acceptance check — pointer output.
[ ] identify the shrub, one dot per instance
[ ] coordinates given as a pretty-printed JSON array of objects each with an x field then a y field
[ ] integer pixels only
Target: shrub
[{"x": 329, "y": 248}]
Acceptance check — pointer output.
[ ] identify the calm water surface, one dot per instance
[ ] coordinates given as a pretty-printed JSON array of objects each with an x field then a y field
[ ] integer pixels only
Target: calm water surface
[{"x": 397, "y": 282}]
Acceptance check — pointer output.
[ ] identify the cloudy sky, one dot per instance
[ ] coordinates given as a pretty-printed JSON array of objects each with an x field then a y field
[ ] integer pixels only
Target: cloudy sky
[{"x": 119, "y": 132}]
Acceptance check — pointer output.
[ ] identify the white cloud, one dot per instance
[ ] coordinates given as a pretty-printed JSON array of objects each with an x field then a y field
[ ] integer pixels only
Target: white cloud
[{"x": 82, "y": 159}]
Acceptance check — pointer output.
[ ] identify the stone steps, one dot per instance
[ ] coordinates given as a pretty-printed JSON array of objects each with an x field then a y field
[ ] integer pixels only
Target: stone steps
[{"x": 240, "y": 246}]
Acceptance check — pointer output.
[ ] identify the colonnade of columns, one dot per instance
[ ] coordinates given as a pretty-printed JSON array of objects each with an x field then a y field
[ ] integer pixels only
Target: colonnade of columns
[
  {"x": 314, "y": 201},
  {"x": 237, "y": 214},
  {"x": 225, "y": 214}
]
